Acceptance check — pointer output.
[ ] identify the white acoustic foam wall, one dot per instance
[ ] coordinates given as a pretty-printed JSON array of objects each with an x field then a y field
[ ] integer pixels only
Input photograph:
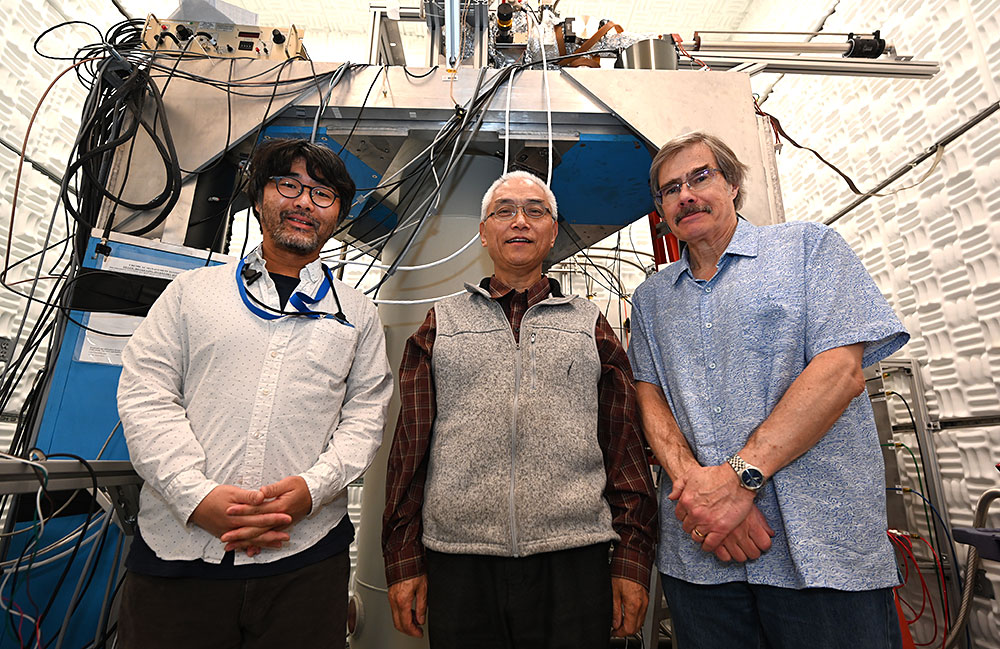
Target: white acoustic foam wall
[
  {"x": 934, "y": 250},
  {"x": 24, "y": 76}
]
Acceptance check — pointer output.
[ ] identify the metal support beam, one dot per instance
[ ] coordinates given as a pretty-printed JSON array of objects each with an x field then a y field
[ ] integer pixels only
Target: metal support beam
[{"x": 64, "y": 475}]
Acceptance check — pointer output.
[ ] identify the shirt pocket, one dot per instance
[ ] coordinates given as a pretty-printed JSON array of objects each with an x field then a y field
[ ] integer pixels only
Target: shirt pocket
[
  {"x": 330, "y": 347},
  {"x": 769, "y": 323}
]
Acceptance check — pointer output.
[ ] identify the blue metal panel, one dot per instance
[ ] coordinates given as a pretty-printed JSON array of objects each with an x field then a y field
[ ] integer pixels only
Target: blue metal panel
[
  {"x": 81, "y": 410},
  {"x": 622, "y": 161},
  {"x": 41, "y": 581}
]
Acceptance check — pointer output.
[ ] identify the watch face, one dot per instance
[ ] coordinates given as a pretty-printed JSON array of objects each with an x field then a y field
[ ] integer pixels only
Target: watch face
[{"x": 752, "y": 478}]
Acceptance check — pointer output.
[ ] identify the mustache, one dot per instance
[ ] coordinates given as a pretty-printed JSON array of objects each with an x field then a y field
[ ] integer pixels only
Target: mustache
[
  {"x": 691, "y": 209},
  {"x": 302, "y": 216}
]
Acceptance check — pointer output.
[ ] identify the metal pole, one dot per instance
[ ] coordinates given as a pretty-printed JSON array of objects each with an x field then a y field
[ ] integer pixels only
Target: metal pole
[
  {"x": 909, "y": 166},
  {"x": 765, "y": 46}
]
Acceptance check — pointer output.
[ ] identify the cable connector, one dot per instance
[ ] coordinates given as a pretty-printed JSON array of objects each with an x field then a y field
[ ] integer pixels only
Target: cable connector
[
  {"x": 102, "y": 248},
  {"x": 460, "y": 111},
  {"x": 117, "y": 71}
]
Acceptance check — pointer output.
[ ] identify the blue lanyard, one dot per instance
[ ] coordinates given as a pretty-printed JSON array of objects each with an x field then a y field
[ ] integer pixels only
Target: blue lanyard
[{"x": 299, "y": 300}]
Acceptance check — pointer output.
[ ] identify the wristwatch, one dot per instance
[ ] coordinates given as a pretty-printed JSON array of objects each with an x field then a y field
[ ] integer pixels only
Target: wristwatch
[{"x": 750, "y": 476}]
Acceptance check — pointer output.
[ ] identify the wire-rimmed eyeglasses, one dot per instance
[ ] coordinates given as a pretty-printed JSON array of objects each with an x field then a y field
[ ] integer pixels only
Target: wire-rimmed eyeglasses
[
  {"x": 695, "y": 181},
  {"x": 508, "y": 211}
]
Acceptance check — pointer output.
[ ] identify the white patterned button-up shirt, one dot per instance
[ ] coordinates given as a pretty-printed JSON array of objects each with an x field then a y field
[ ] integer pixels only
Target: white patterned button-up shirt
[{"x": 212, "y": 394}]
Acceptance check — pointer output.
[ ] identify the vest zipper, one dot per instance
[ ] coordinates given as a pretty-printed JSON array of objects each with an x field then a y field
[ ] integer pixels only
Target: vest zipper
[
  {"x": 532, "y": 351},
  {"x": 513, "y": 419},
  {"x": 513, "y": 445}
]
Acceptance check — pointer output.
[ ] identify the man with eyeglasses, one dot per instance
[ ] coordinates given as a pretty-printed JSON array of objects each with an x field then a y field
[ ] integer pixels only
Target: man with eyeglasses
[
  {"x": 251, "y": 396},
  {"x": 748, "y": 356},
  {"x": 517, "y": 462}
]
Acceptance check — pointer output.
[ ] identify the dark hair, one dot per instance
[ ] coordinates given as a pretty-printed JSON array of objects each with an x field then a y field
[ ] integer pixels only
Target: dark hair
[
  {"x": 732, "y": 169},
  {"x": 275, "y": 158}
]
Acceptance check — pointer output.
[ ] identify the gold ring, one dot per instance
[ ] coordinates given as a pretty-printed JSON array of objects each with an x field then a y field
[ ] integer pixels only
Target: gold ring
[{"x": 698, "y": 534}]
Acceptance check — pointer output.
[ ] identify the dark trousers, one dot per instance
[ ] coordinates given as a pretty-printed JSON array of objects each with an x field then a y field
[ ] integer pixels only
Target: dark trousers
[
  {"x": 303, "y": 608},
  {"x": 554, "y": 600},
  {"x": 750, "y": 616}
]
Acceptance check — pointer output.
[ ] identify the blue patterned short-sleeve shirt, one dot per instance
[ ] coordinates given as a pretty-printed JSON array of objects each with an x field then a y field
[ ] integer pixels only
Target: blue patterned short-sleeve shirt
[{"x": 725, "y": 350}]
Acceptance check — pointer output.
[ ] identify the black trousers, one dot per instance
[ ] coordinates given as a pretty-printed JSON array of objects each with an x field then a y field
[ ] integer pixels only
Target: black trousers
[
  {"x": 554, "y": 600},
  {"x": 303, "y": 608}
]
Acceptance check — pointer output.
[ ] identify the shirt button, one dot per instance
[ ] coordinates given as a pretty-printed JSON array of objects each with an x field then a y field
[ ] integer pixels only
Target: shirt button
[
  {"x": 717, "y": 409},
  {"x": 265, "y": 391},
  {"x": 708, "y": 289},
  {"x": 708, "y": 325},
  {"x": 257, "y": 434},
  {"x": 274, "y": 354},
  {"x": 711, "y": 366}
]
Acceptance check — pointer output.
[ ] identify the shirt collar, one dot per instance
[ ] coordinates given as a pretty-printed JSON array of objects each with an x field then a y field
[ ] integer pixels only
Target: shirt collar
[
  {"x": 493, "y": 288},
  {"x": 536, "y": 292},
  {"x": 745, "y": 243},
  {"x": 311, "y": 274}
]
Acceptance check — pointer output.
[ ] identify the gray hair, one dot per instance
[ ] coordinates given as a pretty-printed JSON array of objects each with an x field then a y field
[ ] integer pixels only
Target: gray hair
[
  {"x": 518, "y": 175},
  {"x": 732, "y": 169}
]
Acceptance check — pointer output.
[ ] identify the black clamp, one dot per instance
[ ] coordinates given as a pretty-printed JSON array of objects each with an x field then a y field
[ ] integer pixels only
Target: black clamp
[{"x": 862, "y": 47}]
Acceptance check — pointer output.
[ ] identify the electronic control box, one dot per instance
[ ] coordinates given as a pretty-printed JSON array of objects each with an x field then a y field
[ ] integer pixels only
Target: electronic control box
[{"x": 223, "y": 39}]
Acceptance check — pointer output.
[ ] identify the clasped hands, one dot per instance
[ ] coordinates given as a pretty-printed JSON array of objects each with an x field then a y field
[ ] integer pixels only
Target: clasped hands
[
  {"x": 718, "y": 513},
  {"x": 252, "y": 519}
]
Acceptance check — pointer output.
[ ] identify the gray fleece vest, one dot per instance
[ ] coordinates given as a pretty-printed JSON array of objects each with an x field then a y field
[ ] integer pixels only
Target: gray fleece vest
[{"x": 515, "y": 467}]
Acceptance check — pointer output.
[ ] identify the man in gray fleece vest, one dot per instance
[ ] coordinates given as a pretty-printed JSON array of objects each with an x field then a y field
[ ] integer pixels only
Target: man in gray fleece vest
[{"x": 517, "y": 464}]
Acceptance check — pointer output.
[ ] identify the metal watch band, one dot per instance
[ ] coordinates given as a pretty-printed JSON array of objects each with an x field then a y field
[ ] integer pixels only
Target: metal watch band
[
  {"x": 745, "y": 472},
  {"x": 737, "y": 463}
]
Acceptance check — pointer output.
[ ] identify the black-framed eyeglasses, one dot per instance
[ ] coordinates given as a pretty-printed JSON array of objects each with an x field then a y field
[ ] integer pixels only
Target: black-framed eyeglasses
[
  {"x": 508, "y": 211},
  {"x": 695, "y": 181},
  {"x": 291, "y": 187}
]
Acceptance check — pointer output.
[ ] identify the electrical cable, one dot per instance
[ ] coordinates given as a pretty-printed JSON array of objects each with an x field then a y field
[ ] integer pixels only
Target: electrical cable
[
  {"x": 80, "y": 588},
  {"x": 108, "y": 440},
  {"x": 944, "y": 593},
  {"x": 548, "y": 102},
  {"x": 321, "y": 108},
  {"x": 38, "y": 525},
  {"x": 420, "y": 76},
  {"x": 940, "y": 520},
  {"x": 431, "y": 201},
  {"x": 909, "y": 411},
  {"x": 920, "y": 481},
  {"x": 904, "y": 544},
  {"x": 83, "y": 528},
  {"x": 361, "y": 110},
  {"x": 420, "y": 301},
  {"x": 506, "y": 124},
  {"x": 409, "y": 268},
  {"x": 76, "y": 547}
]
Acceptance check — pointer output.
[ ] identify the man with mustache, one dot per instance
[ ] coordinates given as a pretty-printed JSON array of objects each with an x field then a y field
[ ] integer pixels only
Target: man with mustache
[
  {"x": 748, "y": 356},
  {"x": 251, "y": 396},
  {"x": 517, "y": 462}
]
